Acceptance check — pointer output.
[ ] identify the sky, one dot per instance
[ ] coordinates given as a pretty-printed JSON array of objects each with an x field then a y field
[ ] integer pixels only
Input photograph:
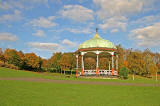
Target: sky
[{"x": 48, "y": 26}]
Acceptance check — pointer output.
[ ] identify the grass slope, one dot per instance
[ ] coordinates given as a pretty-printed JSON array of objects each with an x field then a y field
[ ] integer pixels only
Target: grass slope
[
  {"x": 5, "y": 72},
  {"x": 21, "y": 93},
  {"x": 18, "y": 93}
]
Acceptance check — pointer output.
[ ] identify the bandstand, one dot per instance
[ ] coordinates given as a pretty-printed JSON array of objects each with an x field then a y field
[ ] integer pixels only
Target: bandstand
[{"x": 97, "y": 45}]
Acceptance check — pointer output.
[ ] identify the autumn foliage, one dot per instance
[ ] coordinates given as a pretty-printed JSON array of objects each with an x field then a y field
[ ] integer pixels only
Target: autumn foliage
[{"x": 141, "y": 63}]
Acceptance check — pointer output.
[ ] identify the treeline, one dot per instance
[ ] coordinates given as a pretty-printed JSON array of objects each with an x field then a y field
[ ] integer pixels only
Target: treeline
[
  {"x": 11, "y": 58},
  {"x": 14, "y": 59},
  {"x": 142, "y": 63}
]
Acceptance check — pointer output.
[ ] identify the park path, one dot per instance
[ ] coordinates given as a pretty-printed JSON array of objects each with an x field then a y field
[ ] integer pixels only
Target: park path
[{"x": 80, "y": 82}]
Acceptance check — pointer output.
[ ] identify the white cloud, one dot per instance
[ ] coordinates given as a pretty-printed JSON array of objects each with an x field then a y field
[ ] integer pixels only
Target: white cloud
[
  {"x": 44, "y": 46},
  {"x": 8, "y": 37},
  {"x": 43, "y": 22},
  {"x": 147, "y": 20},
  {"x": 5, "y": 6},
  {"x": 118, "y": 23},
  {"x": 39, "y": 33},
  {"x": 10, "y": 4},
  {"x": 114, "y": 30},
  {"x": 11, "y": 17},
  {"x": 77, "y": 13},
  {"x": 39, "y": 1},
  {"x": 148, "y": 36},
  {"x": 79, "y": 30},
  {"x": 69, "y": 43},
  {"x": 109, "y": 8},
  {"x": 21, "y": 4}
]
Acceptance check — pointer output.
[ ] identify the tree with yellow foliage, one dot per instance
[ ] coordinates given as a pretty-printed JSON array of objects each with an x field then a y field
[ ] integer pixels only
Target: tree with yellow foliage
[{"x": 31, "y": 60}]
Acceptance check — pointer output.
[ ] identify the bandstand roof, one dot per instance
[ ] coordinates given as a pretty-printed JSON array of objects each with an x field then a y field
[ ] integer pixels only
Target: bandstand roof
[{"x": 97, "y": 42}]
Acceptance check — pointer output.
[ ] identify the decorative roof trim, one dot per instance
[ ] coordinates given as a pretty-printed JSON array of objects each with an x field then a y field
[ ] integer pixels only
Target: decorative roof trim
[{"x": 91, "y": 49}]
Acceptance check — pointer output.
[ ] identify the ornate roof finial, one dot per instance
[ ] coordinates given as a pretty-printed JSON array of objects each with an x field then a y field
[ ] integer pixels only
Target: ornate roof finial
[
  {"x": 96, "y": 30},
  {"x": 96, "y": 36}
]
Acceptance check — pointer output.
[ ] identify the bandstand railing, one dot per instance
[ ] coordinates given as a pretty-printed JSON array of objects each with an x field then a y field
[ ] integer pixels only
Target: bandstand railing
[{"x": 101, "y": 72}]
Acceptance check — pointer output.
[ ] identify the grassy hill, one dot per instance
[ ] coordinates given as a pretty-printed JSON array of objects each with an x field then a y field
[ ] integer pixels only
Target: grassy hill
[{"x": 20, "y": 93}]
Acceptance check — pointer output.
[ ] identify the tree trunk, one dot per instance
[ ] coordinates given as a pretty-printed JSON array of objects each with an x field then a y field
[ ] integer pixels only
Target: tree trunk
[{"x": 133, "y": 76}]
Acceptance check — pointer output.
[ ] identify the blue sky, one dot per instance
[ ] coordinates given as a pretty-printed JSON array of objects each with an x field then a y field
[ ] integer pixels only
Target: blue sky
[{"x": 48, "y": 26}]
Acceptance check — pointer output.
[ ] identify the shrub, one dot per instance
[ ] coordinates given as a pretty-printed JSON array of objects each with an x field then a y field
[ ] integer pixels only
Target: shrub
[
  {"x": 123, "y": 73},
  {"x": 11, "y": 66},
  {"x": 2, "y": 64}
]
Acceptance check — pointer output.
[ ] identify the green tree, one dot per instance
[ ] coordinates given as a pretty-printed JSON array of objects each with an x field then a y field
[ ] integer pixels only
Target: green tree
[
  {"x": 121, "y": 56},
  {"x": 2, "y": 58},
  {"x": 135, "y": 63},
  {"x": 53, "y": 62},
  {"x": 12, "y": 57},
  {"x": 150, "y": 66},
  {"x": 123, "y": 73},
  {"x": 67, "y": 62},
  {"x": 40, "y": 63}
]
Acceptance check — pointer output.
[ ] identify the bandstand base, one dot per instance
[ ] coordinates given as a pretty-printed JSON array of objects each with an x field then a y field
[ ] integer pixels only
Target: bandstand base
[
  {"x": 99, "y": 77},
  {"x": 106, "y": 73}
]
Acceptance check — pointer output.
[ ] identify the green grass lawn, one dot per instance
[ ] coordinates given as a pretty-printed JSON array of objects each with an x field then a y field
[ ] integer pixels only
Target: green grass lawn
[
  {"x": 19, "y": 93},
  {"x": 22, "y": 93},
  {"x": 4, "y": 72}
]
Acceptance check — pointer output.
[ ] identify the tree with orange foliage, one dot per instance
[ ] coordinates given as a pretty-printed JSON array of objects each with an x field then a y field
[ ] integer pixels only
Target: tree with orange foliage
[
  {"x": 2, "y": 56},
  {"x": 121, "y": 56},
  {"x": 31, "y": 60},
  {"x": 149, "y": 65},
  {"x": 44, "y": 62},
  {"x": 12, "y": 57},
  {"x": 90, "y": 63},
  {"x": 67, "y": 62},
  {"x": 104, "y": 63}
]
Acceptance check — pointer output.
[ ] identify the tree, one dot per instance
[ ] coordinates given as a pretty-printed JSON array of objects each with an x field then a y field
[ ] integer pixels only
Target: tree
[
  {"x": 121, "y": 56},
  {"x": 44, "y": 63},
  {"x": 1, "y": 52},
  {"x": 150, "y": 66},
  {"x": 40, "y": 62},
  {"x": 90, "y": 63},
  {"x": 135, "y": 63},
  {"x": 104, "y": 63},
  {"x": 123, "y": 73},
  {"x": 22, "y": 63},
  {"x": 12, "y": 57},
  {"x": 31, "y": 61},
  {"x": 53, "y": 62},
  {"x": 2, "y": 58},
  {"x": 67, "y": 62}
]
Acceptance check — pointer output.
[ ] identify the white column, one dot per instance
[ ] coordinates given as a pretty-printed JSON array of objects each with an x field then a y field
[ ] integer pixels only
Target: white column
[
  {"x": 82, "y": 63},
  {"x": 82, "y": 70},
  {"x": 97, "y": 66},
  {"x": 77, "y": 62},
  {"x": 109, "y": 65},
  {"x": 112, "y": 63},
  {"x": 117, "y": 63},
  {"x": 97, "y": 60},
  {"x": 77, "y": 66}
]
